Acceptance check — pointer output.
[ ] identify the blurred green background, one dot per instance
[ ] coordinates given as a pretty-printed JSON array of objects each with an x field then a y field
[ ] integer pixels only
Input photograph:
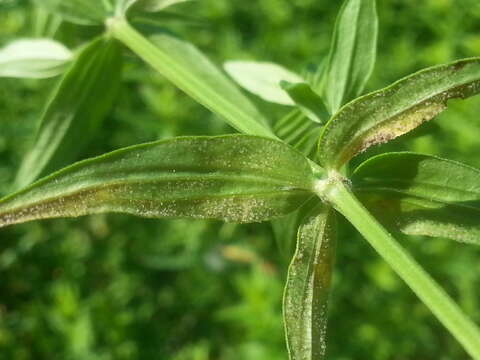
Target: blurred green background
[{"x": 118, "y": 287}]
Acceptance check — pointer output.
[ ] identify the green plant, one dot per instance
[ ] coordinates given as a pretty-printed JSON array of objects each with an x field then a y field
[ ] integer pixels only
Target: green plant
[{"x": 257, "y": 177}]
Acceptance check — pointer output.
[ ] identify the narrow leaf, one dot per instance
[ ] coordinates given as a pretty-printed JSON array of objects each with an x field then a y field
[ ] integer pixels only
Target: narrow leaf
[
  {"x": 81, "y": 101},
  {"x": 422, "y": 195},
  {"x": 82, "y": 12},
  {"x": 156, "y": 5},
  {"x": 236, "y": 178},
  {"x": 186, "y": 67},
  {"x": 353, "y": 52},
  {"x": 308, "y": 286},
  {"x": 386, "y": 114},
  {"x": 263, "y": 79},
  {"x": 33, "y": 58},
  {"x": 307, "y": 100}
]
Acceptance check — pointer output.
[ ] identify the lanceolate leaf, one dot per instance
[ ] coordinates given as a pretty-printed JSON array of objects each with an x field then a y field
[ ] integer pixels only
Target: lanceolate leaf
[
  {"x": 422, "y": 195},
  {"x": 236, "y": 178},
  {"x": 33, "y": 58},
  {"x": 83, "y": 98},
  {"x": 186, "y": 67},
  {"x": 307, "y": 100},
  {"x": 353, "y": 52},
  {"x": 308, "y": 286},
  {"x": 383, "y": 115},
  {"x": 156, "y": 5},
  {"x": 82, "y": 12},
  {"x": 263, "y": 79}
]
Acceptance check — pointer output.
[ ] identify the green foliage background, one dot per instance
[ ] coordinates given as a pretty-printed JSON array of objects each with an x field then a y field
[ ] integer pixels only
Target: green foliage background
[{"x": 118, "y": 287}]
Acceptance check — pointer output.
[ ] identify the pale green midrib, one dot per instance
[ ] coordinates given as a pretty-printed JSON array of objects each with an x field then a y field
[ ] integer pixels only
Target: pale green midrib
[
  {"x": 433, "y": 296},
  {"x": 149, "y": 52}
]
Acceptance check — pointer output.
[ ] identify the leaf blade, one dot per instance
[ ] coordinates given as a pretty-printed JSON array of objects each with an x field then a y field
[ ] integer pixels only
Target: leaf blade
[
  {"x": 422, "y": 195},
  {"x": 353, "y": 52},
  {"x": 307, "y": 100},
  {"x": 391, "y": 112},
  {"x": 308, "y": 286},
  {"x": 34, "y": 58},
  {"x": 81, "y": 101},
  {"x": 233, "y": 178},
  {"x": 155, "y": 5},
  {"x": 263, "y": 79}
]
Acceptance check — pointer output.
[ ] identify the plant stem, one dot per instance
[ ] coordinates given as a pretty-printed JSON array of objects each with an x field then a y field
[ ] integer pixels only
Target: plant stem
[
  {"x": 180, "y": 65},
  {"x": 422, "y": 284}
]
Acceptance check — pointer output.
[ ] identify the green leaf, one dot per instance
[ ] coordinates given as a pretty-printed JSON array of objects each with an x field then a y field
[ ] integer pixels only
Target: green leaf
[
  {"x": 308, "y": 286},
  {"x": 299, "y": 131},
  {"x": 422, "y": 195},
  {"x": 386, "y": 114},
  {"x": 307, "y": 100},
  {"x": 263, "y": 79},
  {"x": 155, "y": 5},
  {"x": 81, "y": 101},
  {"x": 186, "y": 67},
  {"x": 33, "y": 58},
  {"x": 82, "y": 12},
  {"x": 236, "y": 178},
  {"x": 285, "y": 229},
  {"x": 352, "y": 53}
]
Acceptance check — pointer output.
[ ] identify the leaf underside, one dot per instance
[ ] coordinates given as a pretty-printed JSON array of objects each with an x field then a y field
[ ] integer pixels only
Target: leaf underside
[
  {"x": 233, "y": 178},
  {"x": 308, "y": 286},
  {"x": 386, "y": 114},
  {"x": 262, "y": 79},
  {"x": 422, "y": 195}
]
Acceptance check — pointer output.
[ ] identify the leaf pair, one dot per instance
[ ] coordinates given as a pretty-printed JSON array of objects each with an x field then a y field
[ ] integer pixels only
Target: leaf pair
[{"x": 350, "y": 63}]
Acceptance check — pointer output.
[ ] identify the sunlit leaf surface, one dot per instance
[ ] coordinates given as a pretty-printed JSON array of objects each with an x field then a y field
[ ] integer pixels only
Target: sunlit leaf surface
[
  {"x": 233, "y": 178},
  {"x": 263, "y": 79},
  {"x": 386, "y": 114},
  {"x": 33, "y": 58},
  {"x": 352, "y": 53}
]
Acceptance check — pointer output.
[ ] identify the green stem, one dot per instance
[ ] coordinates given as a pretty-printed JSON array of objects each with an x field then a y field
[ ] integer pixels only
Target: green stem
[
  {"x": 180, "y": 65},
  {"x": 422, "y": 284}
]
